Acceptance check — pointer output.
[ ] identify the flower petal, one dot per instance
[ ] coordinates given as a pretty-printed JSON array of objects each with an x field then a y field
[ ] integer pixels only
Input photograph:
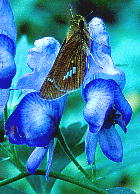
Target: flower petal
[
  {"x": 121, "y": 104},
  {"x": 90, "y": 146},
  {"x": 100, "y": 37},
  {"x": 110, "y": 143},
  {"x": 51, "y": 150},
  {"x": 40, "y": 60},
  {"x": 99, "y": 95},
  {"x": 7, "y": 44},
  {"x": 7, "y": 63},
  {"x": 36, "y": 158},
  {"x": 119, "y": 120},
  {"x": 7, "y": 25},
  {"x": 4, "y": 95},
  {"x": 35, "y": 120},
  {"x": 100, "y": 63}
]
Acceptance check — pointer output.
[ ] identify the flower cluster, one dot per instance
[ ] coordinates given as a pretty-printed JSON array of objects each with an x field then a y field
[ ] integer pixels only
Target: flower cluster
[{"x": 35, "y": 121}]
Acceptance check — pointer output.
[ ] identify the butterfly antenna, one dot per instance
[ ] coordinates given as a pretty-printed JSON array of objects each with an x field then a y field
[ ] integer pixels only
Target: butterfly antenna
[
  {"x": 89, "y": 14},
  {"x": 71, "y": 10}
]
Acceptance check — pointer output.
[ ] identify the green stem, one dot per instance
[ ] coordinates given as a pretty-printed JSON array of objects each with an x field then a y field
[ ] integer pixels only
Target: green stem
[
  {"x": 6, "y": 151},
  {"x": 57, "y": 176},
  {"x": 93, "y": 172},
  {"x": 2, "y": 132},
  {"x": 5, "y": 114},
  {"x": 2, "y": 125},
  {"x": 69, "y": 153},
  {"x": 15, "y": 158}
]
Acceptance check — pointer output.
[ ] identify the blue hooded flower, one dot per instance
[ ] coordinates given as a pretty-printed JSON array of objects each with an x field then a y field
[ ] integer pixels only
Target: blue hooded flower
[
  {"x": 40, "y": 60},
  {"x": 7, "y": 51},
  {"x": 100, "y": 63},
  {"x": 7, "y": 63},
  {"x": 105, "y": 107},
  {"x": 105, "y": 103},
  {"x": 35, "y": 120},
  {"x": 7, "y": 45}
]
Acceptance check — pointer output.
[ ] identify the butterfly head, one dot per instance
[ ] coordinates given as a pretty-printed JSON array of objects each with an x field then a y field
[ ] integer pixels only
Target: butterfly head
[{"x": 79, "y": 22}]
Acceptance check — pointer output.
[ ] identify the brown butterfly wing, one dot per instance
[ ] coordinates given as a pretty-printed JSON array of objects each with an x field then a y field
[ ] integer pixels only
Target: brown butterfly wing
[
  {"x": 49, "y": 91},
  {"x": 68, "y": 70},
  {"x": 73, "y": 77}
]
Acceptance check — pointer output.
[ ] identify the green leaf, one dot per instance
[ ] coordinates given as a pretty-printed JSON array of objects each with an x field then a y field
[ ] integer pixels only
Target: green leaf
[
  {"x": 74, "y": 133},
  {"x": 5, "y": 150},
  {"x": 120, "y": 190},
  {"x": 37, "y": 184},
  {"x": 7, "y": 189},
  {"x": 61, "y": 160},
  {"x": 4, "y": 159},
  {"x": 74, "y": 110}
]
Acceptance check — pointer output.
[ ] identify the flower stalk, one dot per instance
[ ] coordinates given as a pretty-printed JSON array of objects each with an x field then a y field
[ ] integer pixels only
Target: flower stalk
[
  {"x": 70, "y": 154},
  {"x": 57, "y": 176}
]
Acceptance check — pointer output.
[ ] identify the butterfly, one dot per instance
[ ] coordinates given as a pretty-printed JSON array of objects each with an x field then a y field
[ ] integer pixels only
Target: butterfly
[{"x": 69, "y": 67}]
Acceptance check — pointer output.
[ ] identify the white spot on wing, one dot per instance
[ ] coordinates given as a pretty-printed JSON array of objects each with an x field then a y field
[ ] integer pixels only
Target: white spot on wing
[{"x": 70, "y": 73}]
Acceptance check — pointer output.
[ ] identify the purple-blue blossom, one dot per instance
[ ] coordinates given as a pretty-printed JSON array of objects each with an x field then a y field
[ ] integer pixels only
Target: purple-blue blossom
[
  {"x": 7, "y": 63},
  {"x": 105, "y": 104},
  {"x": 35, "y": 120},
  {"x": 40, "y": 60},
  {"x": 100, "y": 63},
  {"x": 7, "y": 51},
  {"x": 105, "y": 107}
]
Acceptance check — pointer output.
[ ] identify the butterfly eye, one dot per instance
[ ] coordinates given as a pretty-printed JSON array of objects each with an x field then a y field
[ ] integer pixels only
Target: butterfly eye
[{"x": 81, "y": 24}]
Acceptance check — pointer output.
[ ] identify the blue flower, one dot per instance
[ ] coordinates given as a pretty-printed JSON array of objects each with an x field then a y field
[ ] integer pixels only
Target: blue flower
[
  {"x": 35, "y": 122},
  {"x": 7, "y": 25},
  {"x": 105, "y": 103},
  {"x": 40, "y": 60},
  {"x": 7, "y": 63},
  {"x": 100, "y": 63},
  {"x": 7, "y": 45},
  {"x": 105, "y": 107},
  {"x": 7, "y": 51}
]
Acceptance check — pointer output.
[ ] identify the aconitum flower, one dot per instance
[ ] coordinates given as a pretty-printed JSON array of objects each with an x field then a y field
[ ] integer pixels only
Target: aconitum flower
[
  {"x": 35, "y": 120},
  {"x": 7, "y": 51},
  {"x": 100, "y": 62},
  {"x": 105, "y": 107},
  {"x": 105, "y": 103},
  {"x": 40, "y": 60}
]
